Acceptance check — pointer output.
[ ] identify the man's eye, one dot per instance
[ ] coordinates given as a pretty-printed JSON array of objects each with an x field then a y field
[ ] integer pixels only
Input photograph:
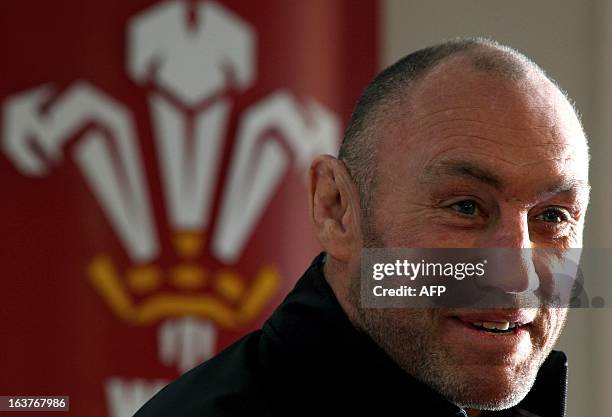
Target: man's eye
[
  {"x": 553, "y": 216},
  {"x": 467, "y": 207}
]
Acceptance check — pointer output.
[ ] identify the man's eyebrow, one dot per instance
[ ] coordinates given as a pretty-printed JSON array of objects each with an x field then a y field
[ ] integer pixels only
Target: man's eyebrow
[
  {"x": 570, "y": 185},
  {"x": 462, "y": 169}
]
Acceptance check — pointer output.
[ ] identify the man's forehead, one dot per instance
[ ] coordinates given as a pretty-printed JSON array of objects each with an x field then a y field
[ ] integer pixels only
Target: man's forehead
[
  {"x": 457, "y": 105},
  {"x": 455, "y": 83}
]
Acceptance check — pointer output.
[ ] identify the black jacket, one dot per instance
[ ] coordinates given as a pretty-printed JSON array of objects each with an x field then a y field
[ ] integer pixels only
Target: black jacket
[{"x": 308, "y": 360}]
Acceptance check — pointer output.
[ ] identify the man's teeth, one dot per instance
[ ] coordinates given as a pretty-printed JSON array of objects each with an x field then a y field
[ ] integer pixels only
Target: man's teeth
[{"x": 495, "y": 325}]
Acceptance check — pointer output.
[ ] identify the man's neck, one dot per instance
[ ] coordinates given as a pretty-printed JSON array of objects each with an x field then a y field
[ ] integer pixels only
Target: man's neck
[
  {"x": 472, "y": 412},
  {"x": 339, "y": 281}
]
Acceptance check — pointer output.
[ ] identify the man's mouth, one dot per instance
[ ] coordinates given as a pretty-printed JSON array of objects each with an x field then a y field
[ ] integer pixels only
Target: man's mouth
[
  {"x": 497, "y": 322},
  {"x": 493, "y": 336},
  {"x": 496, "y": 326}
]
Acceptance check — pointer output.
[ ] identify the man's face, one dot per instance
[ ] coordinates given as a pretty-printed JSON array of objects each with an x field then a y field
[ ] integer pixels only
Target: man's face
[{"x": 473, "y": 160}]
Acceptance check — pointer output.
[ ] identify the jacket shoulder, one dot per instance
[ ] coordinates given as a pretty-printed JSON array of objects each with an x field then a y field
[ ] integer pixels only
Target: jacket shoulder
[{"x": 225, "y": 385}]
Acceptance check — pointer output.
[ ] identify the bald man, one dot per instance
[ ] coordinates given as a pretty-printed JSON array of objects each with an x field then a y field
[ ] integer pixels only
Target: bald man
[{"x": 466, "y": 144}]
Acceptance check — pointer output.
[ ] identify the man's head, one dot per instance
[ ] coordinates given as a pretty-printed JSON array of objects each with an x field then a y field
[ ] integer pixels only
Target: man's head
[{"x": 465, "y": 144}]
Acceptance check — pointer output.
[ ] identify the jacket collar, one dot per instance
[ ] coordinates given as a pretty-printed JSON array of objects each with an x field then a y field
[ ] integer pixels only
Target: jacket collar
[{"x": 310, "y": 325}]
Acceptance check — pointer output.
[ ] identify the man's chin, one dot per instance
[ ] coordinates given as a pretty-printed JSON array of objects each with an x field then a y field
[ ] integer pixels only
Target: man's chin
[{"x": 488, "y": 387}]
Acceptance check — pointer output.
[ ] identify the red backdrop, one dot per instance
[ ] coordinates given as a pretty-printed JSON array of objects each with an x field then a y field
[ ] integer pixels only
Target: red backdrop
[{"x": 152, "y": 169}]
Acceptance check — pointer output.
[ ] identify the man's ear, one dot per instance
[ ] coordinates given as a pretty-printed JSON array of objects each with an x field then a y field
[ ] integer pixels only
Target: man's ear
[{"x": 333, "y": 201}]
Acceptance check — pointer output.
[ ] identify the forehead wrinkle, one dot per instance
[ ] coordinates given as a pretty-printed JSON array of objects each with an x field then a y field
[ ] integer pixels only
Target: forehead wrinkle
[
  {"x": 543, "y": 135},
  {"x": 462, "y": 168},
  {"x": 484, "y": 117},
  {"x": 488, "y": 122},
  {"x": 422, "y": 117},
  {"x": 425, "y": 116},
  {"x": 457, "y": 146},
  {"x": 514, "y": 145}
]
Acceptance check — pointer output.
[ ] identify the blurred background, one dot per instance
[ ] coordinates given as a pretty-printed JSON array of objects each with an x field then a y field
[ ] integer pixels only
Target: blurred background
[{"x": 152, "y": 161}]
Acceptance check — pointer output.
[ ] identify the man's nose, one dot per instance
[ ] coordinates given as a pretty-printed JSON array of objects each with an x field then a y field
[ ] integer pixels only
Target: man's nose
[
  {"x": 511, "y": 231},
  {"x": 512, "y": 255}
]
